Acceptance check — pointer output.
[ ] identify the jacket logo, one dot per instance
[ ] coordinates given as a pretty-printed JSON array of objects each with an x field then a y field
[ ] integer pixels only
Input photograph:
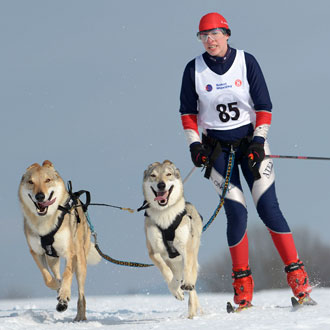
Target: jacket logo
[
  {"x": 238, "y": 83},
  {"x": 208, "y": 88}
]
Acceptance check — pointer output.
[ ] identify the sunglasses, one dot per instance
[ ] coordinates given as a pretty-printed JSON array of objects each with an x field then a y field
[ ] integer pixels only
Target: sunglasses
[{"x": 214, "y": 34}]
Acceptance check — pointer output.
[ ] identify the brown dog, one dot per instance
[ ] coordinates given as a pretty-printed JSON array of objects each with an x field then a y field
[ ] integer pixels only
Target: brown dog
[{"x": 53, "y": 230}]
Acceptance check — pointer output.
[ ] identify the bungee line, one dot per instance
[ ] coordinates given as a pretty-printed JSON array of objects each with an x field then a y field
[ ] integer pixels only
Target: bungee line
[{"x": 230, "y": 165}]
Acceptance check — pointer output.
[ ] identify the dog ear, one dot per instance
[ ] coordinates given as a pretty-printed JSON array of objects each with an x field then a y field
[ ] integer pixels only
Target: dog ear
[
  {"x": 177, "y": 173},
  {"x": 150, "y": 167},
  {"x": 153, "y": 164},
  {"x": 166, "y": 161},
  {"x": 47, "y": 163},
  {"x": 32, "y": 166}
]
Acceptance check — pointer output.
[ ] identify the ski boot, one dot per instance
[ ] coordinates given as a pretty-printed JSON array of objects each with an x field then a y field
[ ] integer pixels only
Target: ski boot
[
  {"x": 243, "y": 288},
  {"x": 298, "y": 281}
]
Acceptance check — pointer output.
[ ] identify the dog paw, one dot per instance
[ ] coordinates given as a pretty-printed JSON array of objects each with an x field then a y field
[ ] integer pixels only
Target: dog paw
[
  {"x": 62, "y": 305},
  {"x": 178, "y": 294},
  {"x": 63, "y": 294},
  {"x": 63, "y": 301},
  {"x": 174, "y": 287},
  {"x": 187, "y": 287}
]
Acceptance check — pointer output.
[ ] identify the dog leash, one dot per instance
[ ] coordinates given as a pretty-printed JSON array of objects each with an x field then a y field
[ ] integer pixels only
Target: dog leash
[
  {"x": 116, "y": 207},
  {"x": 74, "y": 197},
  {"x": 108, "y": 258},
  {"x": 230, "y": 166}
]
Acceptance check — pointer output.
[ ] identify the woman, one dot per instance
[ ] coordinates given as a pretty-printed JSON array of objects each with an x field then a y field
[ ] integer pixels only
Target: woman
[{"x": 224, "y": 93}]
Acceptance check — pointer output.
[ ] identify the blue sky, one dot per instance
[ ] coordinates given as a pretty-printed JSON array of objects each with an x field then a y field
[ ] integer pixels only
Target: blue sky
[{"x": 94, "y": 87}]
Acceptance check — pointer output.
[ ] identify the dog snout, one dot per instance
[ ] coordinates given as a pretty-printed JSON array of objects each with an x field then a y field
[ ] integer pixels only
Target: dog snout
[
  {"x": 161, "y": 185},
  {"x": 40, "y": 196}
]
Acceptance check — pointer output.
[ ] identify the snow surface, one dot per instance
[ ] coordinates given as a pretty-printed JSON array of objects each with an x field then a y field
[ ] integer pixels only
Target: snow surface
[{"x": 272, "y": 310}]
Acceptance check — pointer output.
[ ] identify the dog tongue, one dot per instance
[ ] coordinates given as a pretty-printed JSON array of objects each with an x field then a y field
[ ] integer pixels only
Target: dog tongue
[
  {"x": 47, "y": 203},
  {"x": 161, "y": 195}
]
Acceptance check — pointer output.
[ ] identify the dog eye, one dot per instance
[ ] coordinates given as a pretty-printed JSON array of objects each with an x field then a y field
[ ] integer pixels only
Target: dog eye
[
  {"x": 168, "y": 174},
  {"x": 47, "y": 180},
  {"x": 152, "y": 175},
  {"x": 30, "y": 182}
]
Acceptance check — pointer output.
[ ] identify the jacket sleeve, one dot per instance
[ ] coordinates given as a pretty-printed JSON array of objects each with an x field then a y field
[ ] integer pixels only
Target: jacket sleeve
[
  {"x": 189, "y": 104},
  {"x": 260, "y": 97}
]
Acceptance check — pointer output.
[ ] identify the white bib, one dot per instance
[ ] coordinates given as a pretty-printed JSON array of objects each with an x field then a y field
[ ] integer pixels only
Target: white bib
[{"x": 224, "y": 100}]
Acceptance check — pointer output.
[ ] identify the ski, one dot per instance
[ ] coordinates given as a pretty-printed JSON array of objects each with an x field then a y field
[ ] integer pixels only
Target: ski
[
  {"x": 233, "y": 309},
  {"x": 295, "y": 304},
  {"x": 230, "y": 308},
  {"x": 307, "y": 301}
]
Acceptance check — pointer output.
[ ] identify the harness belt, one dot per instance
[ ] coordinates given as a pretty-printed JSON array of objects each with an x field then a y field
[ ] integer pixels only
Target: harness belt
[{"x": 217, "y": 146}]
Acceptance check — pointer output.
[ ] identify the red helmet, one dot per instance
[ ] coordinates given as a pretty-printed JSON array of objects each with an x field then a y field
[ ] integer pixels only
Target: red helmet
[{"x": 212, "y": 21}]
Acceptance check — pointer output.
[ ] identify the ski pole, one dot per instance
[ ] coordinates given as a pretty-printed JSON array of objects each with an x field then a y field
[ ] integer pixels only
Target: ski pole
[{"x": 298, "y": 157}]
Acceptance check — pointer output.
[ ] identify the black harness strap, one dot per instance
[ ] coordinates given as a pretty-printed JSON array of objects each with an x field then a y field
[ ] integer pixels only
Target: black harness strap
[
  {"x": 72, "y": 202},
  {"x": 75, "y": 198},
  {"x": 144, "y": 206},
  {"x": 217, "y": 146},
  {"x": 211, "y": 160},
  {"x": 169, "y": 234},
  {"x": 48, "y": 240}
]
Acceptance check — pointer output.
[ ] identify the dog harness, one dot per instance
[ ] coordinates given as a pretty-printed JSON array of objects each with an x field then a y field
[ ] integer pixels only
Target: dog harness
[
  {"x": 48, "y": 240},
  {"x": 168, "y": 234},
  {"x": 72, "y": 202}
]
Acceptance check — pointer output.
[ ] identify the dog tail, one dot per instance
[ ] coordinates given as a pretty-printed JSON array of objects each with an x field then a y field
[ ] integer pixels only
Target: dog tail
[{"x": 93, "y": 256}]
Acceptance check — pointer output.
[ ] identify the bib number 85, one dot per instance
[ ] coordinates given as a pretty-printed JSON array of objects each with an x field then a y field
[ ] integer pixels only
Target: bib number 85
[{"x": 232, "y": 113}]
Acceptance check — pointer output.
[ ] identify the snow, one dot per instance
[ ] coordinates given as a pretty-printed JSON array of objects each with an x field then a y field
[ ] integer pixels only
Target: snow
[{"x": 271, "y": 310}]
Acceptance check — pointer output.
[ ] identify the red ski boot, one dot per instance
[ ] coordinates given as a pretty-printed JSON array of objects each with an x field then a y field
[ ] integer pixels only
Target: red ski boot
[
  {"x": 243, "y": 287},
  {"x": 299, "y": 283}
]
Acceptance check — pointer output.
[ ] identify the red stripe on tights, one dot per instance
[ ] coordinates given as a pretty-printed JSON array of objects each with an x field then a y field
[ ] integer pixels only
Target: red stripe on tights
[
  {"x": 285, "y": 246},
  {"x": 240, "y": 254}
]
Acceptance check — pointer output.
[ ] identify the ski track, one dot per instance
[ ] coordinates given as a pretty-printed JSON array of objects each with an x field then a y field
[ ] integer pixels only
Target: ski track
[{"x": 272, "y": 310}]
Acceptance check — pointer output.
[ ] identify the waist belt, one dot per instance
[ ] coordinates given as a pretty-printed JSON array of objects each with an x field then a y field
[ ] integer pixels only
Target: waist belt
[{"x": 217, "y": 146}]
